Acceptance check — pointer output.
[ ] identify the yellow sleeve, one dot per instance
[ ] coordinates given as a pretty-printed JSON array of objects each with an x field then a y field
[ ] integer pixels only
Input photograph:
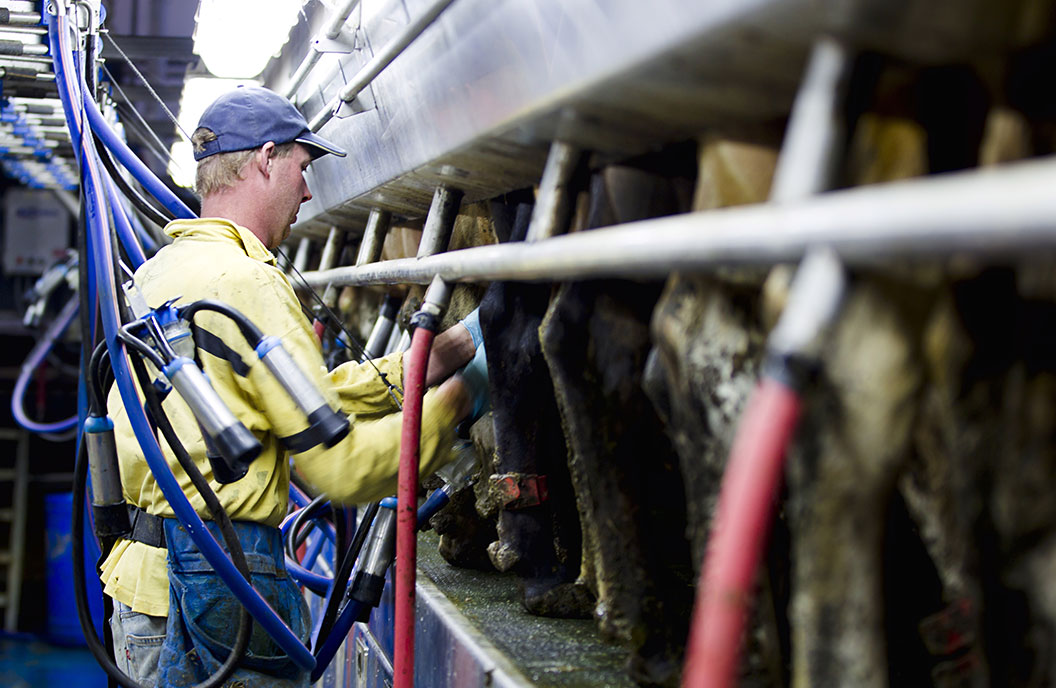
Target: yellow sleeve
[
  {"x": 363, "y": 465},
  {"x": 369, "y": 456},
  {"x": 360, "y": 389}
]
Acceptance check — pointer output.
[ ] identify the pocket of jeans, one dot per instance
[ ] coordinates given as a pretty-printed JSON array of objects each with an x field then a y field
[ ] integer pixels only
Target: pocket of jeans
[
  {"x": 143, "y": 653},
  {"x": 211, "y": 617}
]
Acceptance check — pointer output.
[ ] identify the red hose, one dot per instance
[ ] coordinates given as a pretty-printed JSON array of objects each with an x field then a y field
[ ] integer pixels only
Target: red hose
[
  {"x": 742, "y": 523},
  {"x": 407, "y": 506}
]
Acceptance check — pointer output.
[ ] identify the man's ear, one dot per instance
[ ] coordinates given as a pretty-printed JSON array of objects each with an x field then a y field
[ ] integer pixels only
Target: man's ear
[{"x": 265, "y": 154}]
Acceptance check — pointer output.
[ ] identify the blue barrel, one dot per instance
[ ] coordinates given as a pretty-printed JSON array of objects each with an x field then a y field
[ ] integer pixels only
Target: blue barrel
[{"x": 63, "y": 626}]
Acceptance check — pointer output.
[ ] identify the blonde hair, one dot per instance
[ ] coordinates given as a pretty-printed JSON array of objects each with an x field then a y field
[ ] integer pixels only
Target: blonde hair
[{"x": 221, "y": 170}]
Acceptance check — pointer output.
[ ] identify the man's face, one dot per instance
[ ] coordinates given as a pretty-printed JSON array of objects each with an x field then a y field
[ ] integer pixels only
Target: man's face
[{"x": 290, "y": 189}]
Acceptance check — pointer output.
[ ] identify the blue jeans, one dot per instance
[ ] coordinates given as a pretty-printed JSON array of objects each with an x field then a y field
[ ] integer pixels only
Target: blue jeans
[
  {"x": 137, "y": 642},
  {"x": 203, "y": 614}
]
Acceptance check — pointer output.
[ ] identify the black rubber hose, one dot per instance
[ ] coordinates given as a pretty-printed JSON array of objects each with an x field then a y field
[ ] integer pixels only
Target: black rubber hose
[
  {"x": 337, "y": 593},
  {"x": 158, "y": 216},
  {"x": 251, "y": 332},
  {"x": 219, "y": 514},
  {"x": 80, "y": 589},
  {"x": 293, "y": 537}
]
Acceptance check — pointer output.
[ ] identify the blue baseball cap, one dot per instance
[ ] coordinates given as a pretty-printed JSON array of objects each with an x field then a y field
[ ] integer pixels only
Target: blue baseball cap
[{"x": 250, "y": 116}]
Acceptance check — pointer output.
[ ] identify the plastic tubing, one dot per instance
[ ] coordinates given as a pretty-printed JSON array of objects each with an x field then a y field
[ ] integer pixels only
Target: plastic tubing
[
  {"x": 125, "y": 234},
  {"x": 126, "y": 157},
  {"x": 742, "y": 524},
  {"x": 54, "y": 331},
  {"x": 406, "y": 509},
  {"x": 170, "y": 487},
  {"x": 333, "y": 641}
]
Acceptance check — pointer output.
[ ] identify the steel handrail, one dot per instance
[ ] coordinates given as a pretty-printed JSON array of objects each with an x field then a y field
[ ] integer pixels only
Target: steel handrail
[{"x": 1004, "y": 211}]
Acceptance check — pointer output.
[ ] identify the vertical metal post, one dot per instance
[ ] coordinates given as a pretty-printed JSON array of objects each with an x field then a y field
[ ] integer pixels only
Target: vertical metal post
[
  {"x": 550, "y": 214},
  {"x": 335, "y": 241},
  {"x": 374, "y": 237},
  {"x": 812, "y": 145},
  {"x": 440, "y": 221},
  {"x": 304, "y": 249}
]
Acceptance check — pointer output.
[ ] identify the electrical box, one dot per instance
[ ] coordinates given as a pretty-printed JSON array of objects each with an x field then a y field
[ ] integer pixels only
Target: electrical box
[{"x": 36, "y": 231}]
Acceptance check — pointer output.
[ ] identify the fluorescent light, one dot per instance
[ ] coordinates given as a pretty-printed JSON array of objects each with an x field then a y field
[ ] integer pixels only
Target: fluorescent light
[
  {"x": 236, "y": 38},
  {"x": 197, "y": 95}
]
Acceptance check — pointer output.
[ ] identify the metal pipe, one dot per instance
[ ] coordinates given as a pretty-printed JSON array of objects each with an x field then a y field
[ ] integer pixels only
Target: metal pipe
[
  {"x": 335, "y": 241},
  {"x": 19, "y": 49},
  {"x": 550, "y": 213},
  {"x": 332, "y": 31},
  {"x": 811, "y": 148},
  {"x": 9, "y": 18},
  {"x": 300, "y": 259},
  {"x": 1006, "y": 211},
  {"x": 440, "y": 221},
  {"x": 383, "y": 59},
  {"x": 339, "y": 17},
  {"x": 374, "y": 237}
]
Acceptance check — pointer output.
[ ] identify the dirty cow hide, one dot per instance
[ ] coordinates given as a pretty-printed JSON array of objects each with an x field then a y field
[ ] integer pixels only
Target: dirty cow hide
[
  {"x": 538, "y": 539},
  {"x": 595, "y": 337}
]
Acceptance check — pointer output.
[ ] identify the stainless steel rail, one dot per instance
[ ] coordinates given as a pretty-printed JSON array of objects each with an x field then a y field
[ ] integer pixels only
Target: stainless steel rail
[
  {"x": 332, "y": 31},
  {"x": 476, "y": 101},
  {"x": 993, "y": 212},
  {"x": 380, "y": 61}
]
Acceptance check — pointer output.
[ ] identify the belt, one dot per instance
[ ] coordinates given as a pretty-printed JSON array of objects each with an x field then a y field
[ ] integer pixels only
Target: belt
[{"x": 146, "y": 528}]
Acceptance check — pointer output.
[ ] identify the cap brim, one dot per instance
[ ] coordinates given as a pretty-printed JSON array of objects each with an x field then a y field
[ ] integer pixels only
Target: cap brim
[{"x": 320, "y": 144}]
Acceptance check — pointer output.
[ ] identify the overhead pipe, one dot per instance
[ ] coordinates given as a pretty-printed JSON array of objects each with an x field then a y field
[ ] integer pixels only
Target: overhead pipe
[
  {"x": 332, "y": 31},
  {"x": 380, "y": 61},
  {"x": 1003, "y": 212},
  {"x": 755, "y": 468}
]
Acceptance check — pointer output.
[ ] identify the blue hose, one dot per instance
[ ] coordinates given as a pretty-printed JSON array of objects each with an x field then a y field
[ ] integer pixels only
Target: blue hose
[
  {"x": 123, "y": 227},
  {"x": 126, "y": 157},
  {"x": 33, "y": 360},
  {"x": 342, "y": 624},
  {"x": 170, "y": 487}
]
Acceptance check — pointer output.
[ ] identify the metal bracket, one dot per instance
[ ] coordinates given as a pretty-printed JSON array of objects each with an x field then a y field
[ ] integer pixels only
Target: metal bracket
[
  {"x": 346, "y": 42},
  {"x": 363, "y": 102},
  {"x": 518, "y": 490}
]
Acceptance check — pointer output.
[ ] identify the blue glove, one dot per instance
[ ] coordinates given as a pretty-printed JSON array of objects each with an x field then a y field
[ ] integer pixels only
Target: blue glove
[
  {"x": 472, "y": 323},
  {"x": 475, "y": 377}
]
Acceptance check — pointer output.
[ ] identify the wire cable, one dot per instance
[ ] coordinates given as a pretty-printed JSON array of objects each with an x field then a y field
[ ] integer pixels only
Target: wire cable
[
  {"x": 146, "y": 83},
  {"x": 335, "y": 321}
]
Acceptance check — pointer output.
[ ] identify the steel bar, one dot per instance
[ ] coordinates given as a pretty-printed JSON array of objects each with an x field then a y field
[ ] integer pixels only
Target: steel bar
[
  {"x": 374, "y": 237},
  {"x": 304, "y": 249},
  {"x": 335, "y": 241},
  {"x": 332, "y": 31},
  {"x": 380, "y": 61},
  {"x": 440, "y": 221},
  {"x": 550, "y": 213},
  {"x": 813, "y": 140},
  {"x": 9, "y": 18},
  {"x": 991, "y": 213}
]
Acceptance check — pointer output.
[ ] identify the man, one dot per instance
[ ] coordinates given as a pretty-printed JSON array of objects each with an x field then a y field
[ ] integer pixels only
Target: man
[{"x": 173, "y": 618}]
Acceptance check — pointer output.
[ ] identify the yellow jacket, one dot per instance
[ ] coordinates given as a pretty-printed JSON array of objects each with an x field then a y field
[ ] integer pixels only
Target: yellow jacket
[{"x": 213, "y": 258}]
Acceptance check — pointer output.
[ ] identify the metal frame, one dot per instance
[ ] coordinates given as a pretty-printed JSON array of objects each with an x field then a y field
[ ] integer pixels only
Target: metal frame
[
  {"x": 475, "y": 101},
  {"x": 994, "y": 212}
]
